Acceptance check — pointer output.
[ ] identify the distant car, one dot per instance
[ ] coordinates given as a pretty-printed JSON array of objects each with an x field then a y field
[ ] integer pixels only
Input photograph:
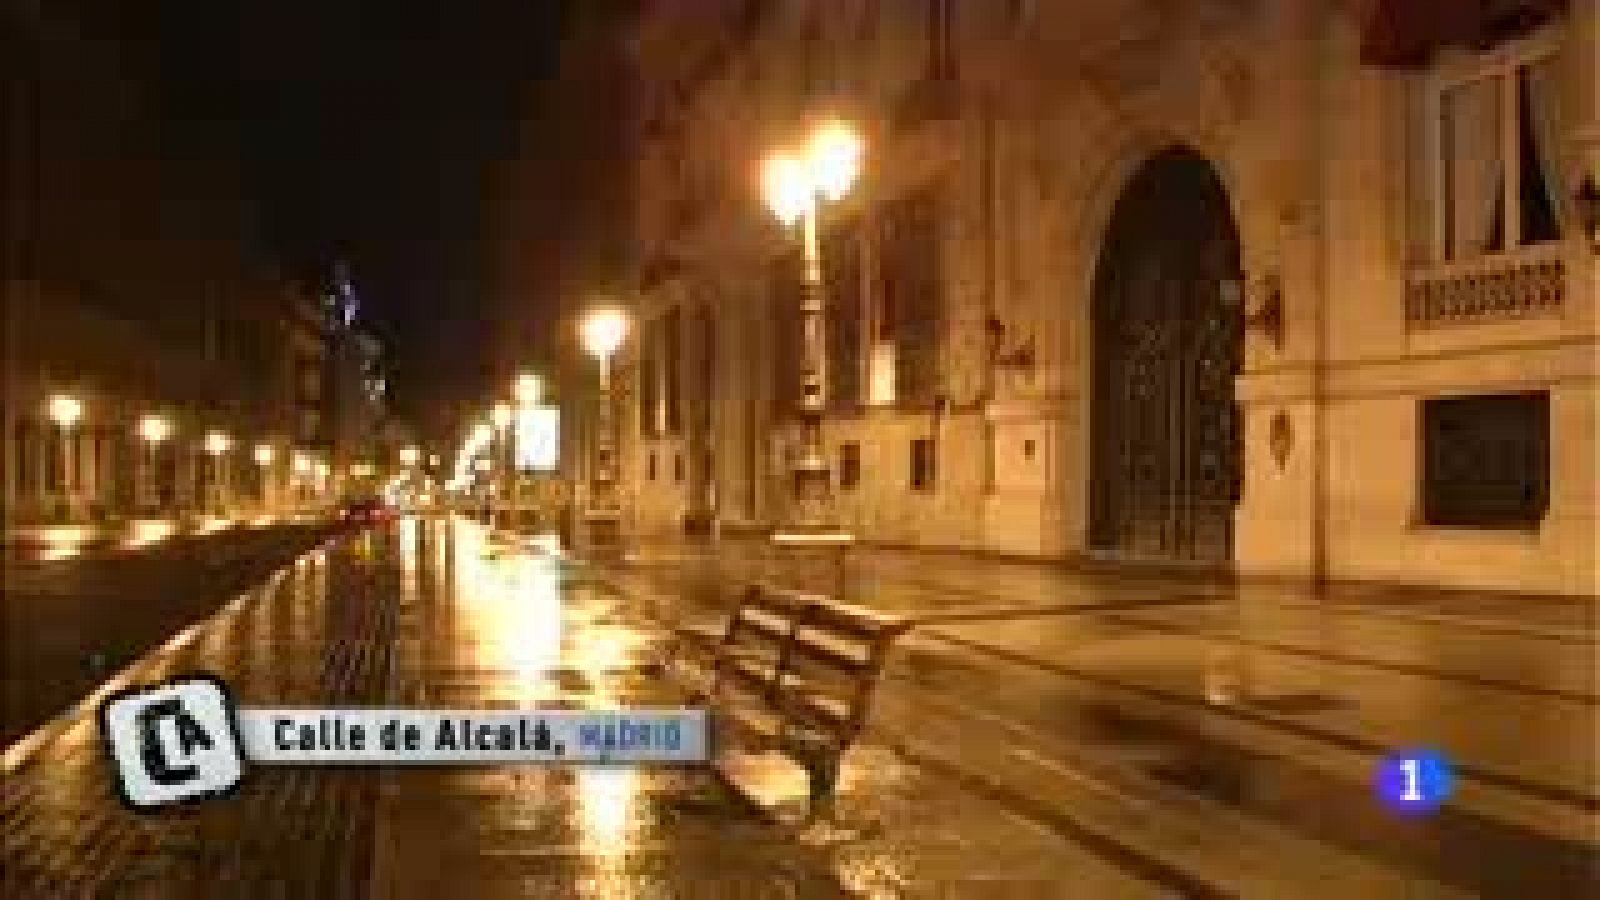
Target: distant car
[{"x": 365, "y": 512}]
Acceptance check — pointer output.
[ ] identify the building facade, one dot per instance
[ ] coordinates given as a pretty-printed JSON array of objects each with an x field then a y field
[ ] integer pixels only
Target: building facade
[
  {"x": 357, "y": 389},
  {"x": 133, "y": 296},
  {"x": 1303, "y": 289}
]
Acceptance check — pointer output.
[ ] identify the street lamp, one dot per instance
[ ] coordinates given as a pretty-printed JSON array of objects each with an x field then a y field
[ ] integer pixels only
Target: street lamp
[
  {"x": 796, "y": 186},
  {"x": 263, "y": 454},
  {"x": 604, "y": 330},
  {"x": 216, "y": 444},
  {"x": 528, "y": 390},
  {"x": 65, "y": 410},
  {"x": 300, "y": 467},
  {"x": 409, "y": 455},
  {"x": 153, "y": 430}
]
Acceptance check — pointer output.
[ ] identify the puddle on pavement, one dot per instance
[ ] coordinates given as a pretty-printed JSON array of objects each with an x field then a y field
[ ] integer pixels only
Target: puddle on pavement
[{"x": 1455, "y": 846}]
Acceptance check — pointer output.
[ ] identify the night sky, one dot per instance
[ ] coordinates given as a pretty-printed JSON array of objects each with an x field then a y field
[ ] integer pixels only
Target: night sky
[{"x": 368, "y": 131}]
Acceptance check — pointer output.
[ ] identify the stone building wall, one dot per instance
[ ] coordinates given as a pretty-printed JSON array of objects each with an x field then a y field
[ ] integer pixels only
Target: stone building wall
[{"x": 1049, "y": 112}]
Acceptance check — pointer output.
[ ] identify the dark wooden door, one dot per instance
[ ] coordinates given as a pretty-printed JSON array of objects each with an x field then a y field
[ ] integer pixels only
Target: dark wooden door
[{"x": 1168, "y": 335}]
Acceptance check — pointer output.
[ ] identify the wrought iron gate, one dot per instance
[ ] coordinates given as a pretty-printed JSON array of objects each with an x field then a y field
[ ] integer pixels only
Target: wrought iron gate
[{"x": 1168, "y": 334}]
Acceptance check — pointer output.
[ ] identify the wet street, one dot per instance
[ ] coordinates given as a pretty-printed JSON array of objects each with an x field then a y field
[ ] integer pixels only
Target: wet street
[
  {"x": 1036, "y": 735},
  {"x": 81, "y": 602}
]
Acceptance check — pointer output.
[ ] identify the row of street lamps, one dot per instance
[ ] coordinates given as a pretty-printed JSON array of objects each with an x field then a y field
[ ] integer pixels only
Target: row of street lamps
[
  {"x": 603, "y": 332},
  {"x": 153, "y": 429},
  {"x": 797, "y": 185}
]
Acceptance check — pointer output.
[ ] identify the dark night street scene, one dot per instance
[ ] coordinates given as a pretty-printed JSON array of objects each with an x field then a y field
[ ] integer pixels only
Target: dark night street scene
[{"x": 723, "y": 449}]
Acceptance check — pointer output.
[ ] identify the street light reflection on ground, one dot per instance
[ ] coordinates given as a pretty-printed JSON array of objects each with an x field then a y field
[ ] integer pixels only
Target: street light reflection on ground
[
  {"x": 65, "y": 541},
  {"x": 144, "y": 532}
]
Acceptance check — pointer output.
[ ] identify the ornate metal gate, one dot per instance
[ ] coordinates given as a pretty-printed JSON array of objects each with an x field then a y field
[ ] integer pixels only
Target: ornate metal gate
[{"x": 1168, "y": 333}]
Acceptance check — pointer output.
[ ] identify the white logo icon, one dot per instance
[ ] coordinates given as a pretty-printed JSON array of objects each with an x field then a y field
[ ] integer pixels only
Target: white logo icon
[{"x": 173, "y": 743}]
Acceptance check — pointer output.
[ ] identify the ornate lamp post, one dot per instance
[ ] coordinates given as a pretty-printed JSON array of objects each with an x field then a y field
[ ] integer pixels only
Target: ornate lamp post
[
  {"x": 65, "y": 410},
  {"x": 300, "y": 470},
  {"x": 153, "y": 432},
  {"x": 216, "y": 445},
  {"x": 796, "y": 187},
  {"x": 604, "y": 330},
  {"x": 263, "y": 454}
]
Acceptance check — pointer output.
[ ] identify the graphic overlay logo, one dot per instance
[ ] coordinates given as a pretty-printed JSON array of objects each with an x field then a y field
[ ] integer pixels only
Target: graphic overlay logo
[
  {"x": 173, "y": 743},
  {"x": 1415, "y": 781},
  {"x": 185, "y": 740}
]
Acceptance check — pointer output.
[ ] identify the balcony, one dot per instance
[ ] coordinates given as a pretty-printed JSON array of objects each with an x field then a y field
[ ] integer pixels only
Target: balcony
[{"x": 1528, "y": 283}]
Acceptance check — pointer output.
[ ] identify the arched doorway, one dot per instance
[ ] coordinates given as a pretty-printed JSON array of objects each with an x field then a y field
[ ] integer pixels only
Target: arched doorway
[{"x": 1168, "y": 337}]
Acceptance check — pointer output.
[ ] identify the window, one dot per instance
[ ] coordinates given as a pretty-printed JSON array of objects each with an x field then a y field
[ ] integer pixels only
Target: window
[
  {"x": 677, "y": 468},
  {"x": 923, "y": 464},
  {"x": 841, "y": 277},
  {"x": 1497, "y": 181},
  {"x": 911, "y": 290},
  {"x": 1486, "y": 460},
  {"x": 706, "y": 364},
  {"x": 849, "y": 465},
  {"x": 650, "y": 466},
  {"x": 649, "y": 381},
  {"x": 672, "y": 376}
]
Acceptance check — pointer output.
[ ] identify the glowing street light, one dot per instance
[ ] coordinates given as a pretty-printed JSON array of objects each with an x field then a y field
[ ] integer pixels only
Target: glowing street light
[
  {"x": 217, "y": 443},
  {"x": 409, "y": 455},
  {"x": 154, "y": 429},
  {"x": 603, "y": 331},
  {"x": 528, "y": 390},
  {"x": 795, "y": 186},
  {"x": 263, "y": 454},
  {"x": 65, "y": 410},
  {"x": 301, "y": 464}
]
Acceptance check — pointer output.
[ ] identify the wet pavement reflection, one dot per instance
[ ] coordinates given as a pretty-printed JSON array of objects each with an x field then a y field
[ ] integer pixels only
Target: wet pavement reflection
[
  {"x": 1230, "y": 732},
  {"x": 1034, "y": 736},
  {"x": 496, "y": 624},
  {"x": 430, "y": 613}
]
